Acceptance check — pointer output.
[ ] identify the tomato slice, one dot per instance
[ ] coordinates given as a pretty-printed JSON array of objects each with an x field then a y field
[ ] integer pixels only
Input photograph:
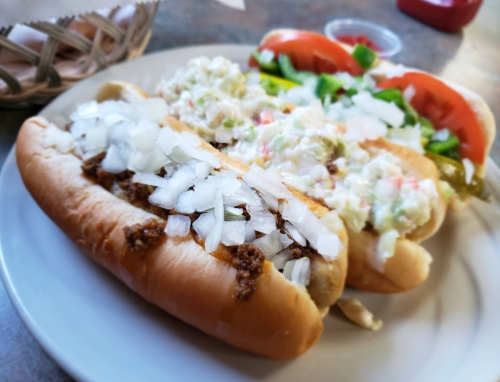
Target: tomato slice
[
  {"x": 310, "y": 51},
  {"x": 445, "y": 108}
]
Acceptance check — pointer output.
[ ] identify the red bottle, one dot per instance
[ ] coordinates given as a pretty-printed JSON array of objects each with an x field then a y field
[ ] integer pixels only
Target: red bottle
[{"x": 446, "y": 15}]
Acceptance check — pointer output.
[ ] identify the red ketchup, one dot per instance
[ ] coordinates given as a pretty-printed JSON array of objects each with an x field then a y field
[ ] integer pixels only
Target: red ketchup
[
  {"x": 446, "y": 15},
  {"x": 358, "y": 39}
]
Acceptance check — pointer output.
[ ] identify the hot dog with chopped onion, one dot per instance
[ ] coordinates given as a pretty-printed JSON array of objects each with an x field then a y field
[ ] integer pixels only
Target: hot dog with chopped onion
[{"x": 225, "y": 248}]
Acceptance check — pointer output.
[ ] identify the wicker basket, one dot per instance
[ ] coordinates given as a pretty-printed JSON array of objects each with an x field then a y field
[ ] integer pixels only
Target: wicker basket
[{"x": 72, "y": 49}]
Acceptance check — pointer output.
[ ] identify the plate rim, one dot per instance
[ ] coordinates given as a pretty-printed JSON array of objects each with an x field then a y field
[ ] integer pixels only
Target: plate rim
[{"x": 493, "y": 172}]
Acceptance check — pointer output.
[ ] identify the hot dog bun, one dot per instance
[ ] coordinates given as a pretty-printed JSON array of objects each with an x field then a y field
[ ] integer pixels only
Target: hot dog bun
[
  {"x": 279, "y": 321},
  {"x": 409, "y": 266}
]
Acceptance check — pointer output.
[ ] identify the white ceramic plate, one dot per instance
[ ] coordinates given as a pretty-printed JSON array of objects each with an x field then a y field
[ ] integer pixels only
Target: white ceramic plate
[{"x": 98, "y": 330}]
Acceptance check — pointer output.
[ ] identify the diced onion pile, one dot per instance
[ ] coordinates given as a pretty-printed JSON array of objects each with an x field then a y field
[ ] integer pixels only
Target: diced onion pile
[{"x": 133, "y": 139}]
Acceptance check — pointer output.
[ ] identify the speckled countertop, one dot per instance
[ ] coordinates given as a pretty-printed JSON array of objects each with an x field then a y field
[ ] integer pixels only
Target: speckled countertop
[{"x": 470, "y": 58}]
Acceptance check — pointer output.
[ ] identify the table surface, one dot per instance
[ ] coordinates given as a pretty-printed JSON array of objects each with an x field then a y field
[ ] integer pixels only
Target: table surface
[{"x": 469, "y": 57}]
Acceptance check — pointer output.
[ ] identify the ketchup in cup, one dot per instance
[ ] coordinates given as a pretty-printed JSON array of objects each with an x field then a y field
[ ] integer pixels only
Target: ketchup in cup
[
  {"x": 446, "y": 15},
  {"x": 358, "y": 39}
]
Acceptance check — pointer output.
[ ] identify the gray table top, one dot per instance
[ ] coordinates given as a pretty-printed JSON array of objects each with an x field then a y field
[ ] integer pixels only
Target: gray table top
[{"x": 470, "y": 58}]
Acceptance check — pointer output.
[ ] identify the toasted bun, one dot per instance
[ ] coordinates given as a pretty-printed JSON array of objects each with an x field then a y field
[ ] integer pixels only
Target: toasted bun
[
  {"x": 279, "y": 321},
  {"x": 406, "y": 269},
  {"x": 409, "y": 266}
]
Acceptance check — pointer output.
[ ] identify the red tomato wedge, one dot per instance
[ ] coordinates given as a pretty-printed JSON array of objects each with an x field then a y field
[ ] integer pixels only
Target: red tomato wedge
[
  {"x": 310, "y": 51},
  {"x": 445, "y": 108}
]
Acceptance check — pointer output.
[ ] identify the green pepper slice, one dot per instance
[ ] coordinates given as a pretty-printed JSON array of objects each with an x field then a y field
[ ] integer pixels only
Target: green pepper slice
[
  {"x": 439, "y": 147},
  {"x": 390, "y": 95},
  {"x": 269, "y": 67},
  {"x": 328, "y": 84},
  {"x": 364, "y": 56},
  {"x": 290, "y": 73},
  {"x": 454, "y": 173},
  {"x": 427, "y": 129}
]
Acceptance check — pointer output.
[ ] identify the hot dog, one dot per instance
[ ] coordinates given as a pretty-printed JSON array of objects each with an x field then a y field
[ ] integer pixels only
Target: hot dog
[
  {"x": 451, "y": 125},
  {"x": 206, "y": 242},
  {"x": 386, "y": 194}
]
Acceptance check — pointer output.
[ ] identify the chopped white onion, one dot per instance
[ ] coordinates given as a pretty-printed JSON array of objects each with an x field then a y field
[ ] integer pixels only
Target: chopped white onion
[
  {"x": 263, "y": 221},
  {"x": 300, "y": 95},
  {"x": 386, "y": 111},
  {"x": 114, "y": 119},
  {"x": 298, "y": 271},
  {"x": 204, "y": 224},
  {"x": 233, "y": 232},
  {"x": 469, "y": 170},
  {"x": 293, "y": 210},
  {"x": 361, "y": 128},
  {"x": 202, "y": 170},
  {"x": 249, "y": 232},
  {"x": 140, "y": 161},
  {"x": 185, "y": 203},
  {"x": 191, "y": 139},
  {"x": 269, "y": 244},
  {"x": 96, "y": 138},
  {"x": 170, "y": 169},
  {"x": 213, "y": 239},
  {"x": 271, "y": 201},
  {"x": 441, "y": 135},
  {"x": 332, "y": 221},
  {"x": 409, "y": 92},
  {"x": 199, "y": 154},
  {"x": 329, "y": 245},
  {"x": 228, "y": 185},
  {"x": 385, "y": 249},
  {"x": 178, "y": 225},
  {"x": 86, "y": 110},
  {"x": 233, "y": 210},
  {"x": 152, "y": 108},
  {"x": 285, "y": 240},
  {"x": 150, "y": 179},
  {"x": 296, "y": 235},
  {"x": 179, "y": 182},
  {"x": 113, "y": 162},
  {"x": 280, "y": 259},
  {"x": 143, "y": 136},
  {"x": 272, "y": 174},
  {"x": 266, "y": 56},
  {"x": 204, "y": 195},
  {"x": 245, "y": 195},
  {"x": 167, "y": 138},
  {"x": 313, "y": 229},
  {"x": 407, "y": 136},
  {"x": 263, "y": 182}
]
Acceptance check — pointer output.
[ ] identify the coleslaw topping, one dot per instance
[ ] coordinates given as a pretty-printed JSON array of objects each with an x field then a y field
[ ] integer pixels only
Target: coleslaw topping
[{"x": 315, "y": 156}]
